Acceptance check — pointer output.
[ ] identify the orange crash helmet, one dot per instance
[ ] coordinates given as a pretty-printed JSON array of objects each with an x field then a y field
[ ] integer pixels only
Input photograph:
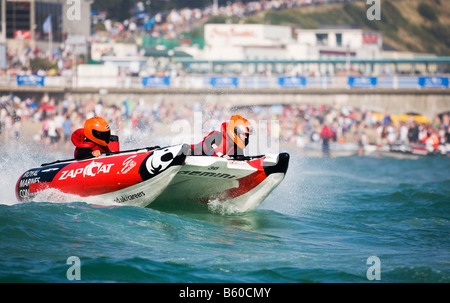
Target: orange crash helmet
[
  {"x": 97, "y": 130},
  {"x": 237, "y": 127}
]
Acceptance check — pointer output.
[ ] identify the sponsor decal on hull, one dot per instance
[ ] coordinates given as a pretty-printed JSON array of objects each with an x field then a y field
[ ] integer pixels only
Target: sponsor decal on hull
[
  {"x": 24, "y": 185},
  {"x": 206, "y": 174},
  {"x": 128, "y": 164},
  {"x": 126, "y": 198},
  {"x": 90, "y": 170},
  {"x": 159, "y": 161},
  {"x": 35, "y": 176}
]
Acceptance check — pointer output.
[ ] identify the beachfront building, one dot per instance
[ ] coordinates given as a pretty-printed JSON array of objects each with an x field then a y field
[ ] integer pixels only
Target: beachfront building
[
  {"x": 269, "y": 42},
  {"x": 247, "y": 41},
  {"x": 328, "y": 51},
  {"x": 337, "y": 42}
]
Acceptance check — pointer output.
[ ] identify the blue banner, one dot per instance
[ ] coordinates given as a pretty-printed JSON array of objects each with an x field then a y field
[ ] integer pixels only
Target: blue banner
[
  {"x": 433, "y": 82},
  {"x": 155, "y": 81},
  {"x": 362, "y": 82},
  {"x": 30, "y": 80},
  {"x": 224, "y": 82},
  {"x": 292, "y": 82}
]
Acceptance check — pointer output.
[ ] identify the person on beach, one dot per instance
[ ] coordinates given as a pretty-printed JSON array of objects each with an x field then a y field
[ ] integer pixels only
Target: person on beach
[{"x": 326, "y": 134}]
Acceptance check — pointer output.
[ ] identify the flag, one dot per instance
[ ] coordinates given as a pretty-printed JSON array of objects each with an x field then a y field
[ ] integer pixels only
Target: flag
[{"x": 47, "y": 26}]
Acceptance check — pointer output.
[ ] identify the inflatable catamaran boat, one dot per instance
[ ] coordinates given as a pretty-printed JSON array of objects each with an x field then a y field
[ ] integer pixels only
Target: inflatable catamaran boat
[{"x": 140, "y": 177}]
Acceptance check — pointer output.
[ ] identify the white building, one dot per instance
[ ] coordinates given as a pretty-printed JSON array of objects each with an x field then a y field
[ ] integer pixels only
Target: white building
[
  {"x": 246, "y": 41},
  {"x": 341, "y": 42},
  {"x": 269, "y": 42},
  {"x": 258, "y": 41}
]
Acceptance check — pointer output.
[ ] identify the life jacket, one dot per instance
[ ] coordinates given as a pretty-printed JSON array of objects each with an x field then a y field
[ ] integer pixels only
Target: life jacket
[
  {"x": 80, "y": 141},
  {"x": 226, "y": 145},
  {"x": 215, "y": 144}
]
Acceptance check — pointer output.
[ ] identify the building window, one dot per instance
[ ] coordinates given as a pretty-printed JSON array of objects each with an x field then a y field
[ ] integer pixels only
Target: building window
[
  {"x": 43, "y": 10},
  {"x": 338, "y": 39},
  {"x": 17, "y": 18},
  {"x": 322, "y": 39}
]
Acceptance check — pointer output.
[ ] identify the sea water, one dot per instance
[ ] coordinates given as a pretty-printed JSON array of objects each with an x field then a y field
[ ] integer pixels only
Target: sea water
[{"x": 347, "y": 219}]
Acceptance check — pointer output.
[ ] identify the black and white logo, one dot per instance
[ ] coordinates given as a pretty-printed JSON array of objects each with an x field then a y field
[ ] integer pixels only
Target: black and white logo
[{"x": 158, "y": 161}]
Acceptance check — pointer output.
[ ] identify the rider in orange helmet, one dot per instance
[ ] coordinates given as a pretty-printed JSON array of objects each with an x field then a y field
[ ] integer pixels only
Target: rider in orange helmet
[
  {"x": 231, "y": 140},
  {"x": 93, "y": 139}
]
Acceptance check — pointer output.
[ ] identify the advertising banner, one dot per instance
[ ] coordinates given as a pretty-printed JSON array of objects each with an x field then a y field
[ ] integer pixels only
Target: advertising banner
[
  {"x": 433, "y": 82},
  {"x": 30, "y": 80},
  {"x": 362, "y": 82},
  {"x": 224, "y": 82},
  {"x": 155, "y": 81},
  {"x": 292, "y": 82}
]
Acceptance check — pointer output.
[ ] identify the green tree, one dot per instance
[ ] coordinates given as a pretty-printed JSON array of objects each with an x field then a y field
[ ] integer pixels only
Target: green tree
[
  {"x": 427, "y": 11},
  {"x": 116, "y": 9}
]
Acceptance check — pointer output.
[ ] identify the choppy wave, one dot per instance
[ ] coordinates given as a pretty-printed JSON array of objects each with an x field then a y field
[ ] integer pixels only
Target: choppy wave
[{"x": 320, "y": 225}]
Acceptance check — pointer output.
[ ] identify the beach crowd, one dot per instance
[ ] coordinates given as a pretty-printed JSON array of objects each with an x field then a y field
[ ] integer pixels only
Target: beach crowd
[{"x": 49, "y": 122}]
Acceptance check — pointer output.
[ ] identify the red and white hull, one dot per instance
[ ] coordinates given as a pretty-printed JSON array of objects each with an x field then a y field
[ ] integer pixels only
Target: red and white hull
[
  {"x": 134, "y": 178},
  {"x": 165, "y": 175},
  {"x": 237, "y": 185}
]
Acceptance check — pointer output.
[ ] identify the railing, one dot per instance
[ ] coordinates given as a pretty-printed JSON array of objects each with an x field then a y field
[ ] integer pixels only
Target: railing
[{"x": 237, "y": 82}]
